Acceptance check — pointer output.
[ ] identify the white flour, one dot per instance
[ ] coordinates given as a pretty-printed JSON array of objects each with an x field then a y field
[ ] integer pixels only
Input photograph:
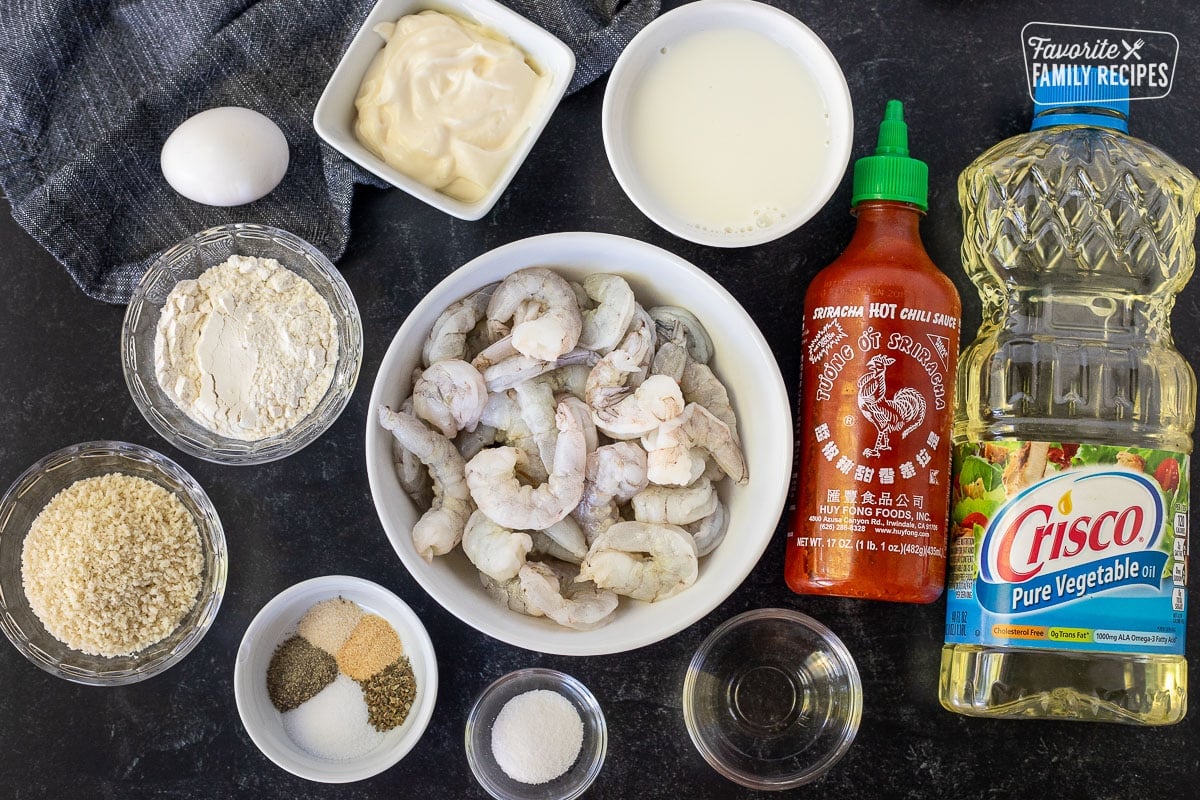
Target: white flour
[{"x": 247, "y": 350}]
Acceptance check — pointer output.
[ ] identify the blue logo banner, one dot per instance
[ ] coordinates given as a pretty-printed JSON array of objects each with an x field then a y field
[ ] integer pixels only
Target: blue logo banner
[{"x": 1047, "y": 591}]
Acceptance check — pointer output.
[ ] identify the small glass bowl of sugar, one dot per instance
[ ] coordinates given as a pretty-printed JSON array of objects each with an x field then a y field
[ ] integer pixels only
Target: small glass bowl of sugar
[{"x": 536, "y": 734}]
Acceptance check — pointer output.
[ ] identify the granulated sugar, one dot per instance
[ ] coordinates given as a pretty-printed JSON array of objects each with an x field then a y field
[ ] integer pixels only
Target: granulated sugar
[
  {"x": 334, "y": 724},
  {"x": 537, "y": 736}
]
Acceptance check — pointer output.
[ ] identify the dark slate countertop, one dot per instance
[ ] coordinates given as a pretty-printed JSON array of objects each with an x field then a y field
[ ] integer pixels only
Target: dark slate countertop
[{"x": 959, "y": 69}]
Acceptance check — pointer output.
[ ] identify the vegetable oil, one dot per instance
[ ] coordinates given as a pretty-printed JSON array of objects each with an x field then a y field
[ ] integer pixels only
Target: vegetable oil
[{"x": 1073, "y": 423}]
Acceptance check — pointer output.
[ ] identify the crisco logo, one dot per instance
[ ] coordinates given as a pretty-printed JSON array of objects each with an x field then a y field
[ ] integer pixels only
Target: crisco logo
[{"x": 1072, "y": 518}]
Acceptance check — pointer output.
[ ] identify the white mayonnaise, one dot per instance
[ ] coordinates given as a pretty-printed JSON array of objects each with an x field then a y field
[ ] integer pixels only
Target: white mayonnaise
[
  {"x": 729, "y": 130},
  {"x": 446, "y": 102}
]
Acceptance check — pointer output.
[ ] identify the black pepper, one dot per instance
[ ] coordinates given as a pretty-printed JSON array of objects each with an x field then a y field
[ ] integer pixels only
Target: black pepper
[
  {"x": 297, "y": 672},
  {"x": 390, "y": 694}
]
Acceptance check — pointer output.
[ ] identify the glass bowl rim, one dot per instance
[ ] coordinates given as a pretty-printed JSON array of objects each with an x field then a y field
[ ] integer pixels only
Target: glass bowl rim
[
  {"x": 309, "y": 429},
  {"x": 593, "y": 719},
  {"x": 208, "y": 525},
  {"x": 836, "y": 648}
]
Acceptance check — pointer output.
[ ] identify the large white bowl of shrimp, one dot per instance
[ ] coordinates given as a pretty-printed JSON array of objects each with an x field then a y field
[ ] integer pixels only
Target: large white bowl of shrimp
[{"x": 579, "y": 444}]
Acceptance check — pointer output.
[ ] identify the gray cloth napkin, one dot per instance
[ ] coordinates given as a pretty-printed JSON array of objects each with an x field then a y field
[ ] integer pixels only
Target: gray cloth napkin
[{"x": 90, "y": 89}]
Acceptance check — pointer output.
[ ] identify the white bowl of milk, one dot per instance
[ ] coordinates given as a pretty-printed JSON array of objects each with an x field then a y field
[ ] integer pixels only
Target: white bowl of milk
[{"x": 728, "y": 122}]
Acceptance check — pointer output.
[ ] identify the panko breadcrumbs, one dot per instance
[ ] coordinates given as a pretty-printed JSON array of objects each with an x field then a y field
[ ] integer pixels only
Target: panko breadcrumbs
[{"x": 112, "y": 564}]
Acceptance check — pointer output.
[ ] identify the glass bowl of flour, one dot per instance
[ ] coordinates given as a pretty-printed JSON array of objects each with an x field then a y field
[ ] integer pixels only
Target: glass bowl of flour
[{"x": 242, "y": 344}]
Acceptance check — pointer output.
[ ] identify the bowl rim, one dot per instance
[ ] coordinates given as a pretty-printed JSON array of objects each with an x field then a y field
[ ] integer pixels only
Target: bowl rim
[
  {"x": 837, "y": 648},
  {"x": 209, "y": 528},
  {"x": 333, "y": 586},
  {"x": 594, "y": 713},
  {"x": 624, "y": 76},
  {"x": 551, "y": 51},
  {"x": 280, "y": 445},
  {"x": 531, "y": 251}
]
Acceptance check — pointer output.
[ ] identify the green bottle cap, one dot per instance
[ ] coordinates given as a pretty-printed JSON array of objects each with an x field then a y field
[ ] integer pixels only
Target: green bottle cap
[{"x": 891, "y": 174}]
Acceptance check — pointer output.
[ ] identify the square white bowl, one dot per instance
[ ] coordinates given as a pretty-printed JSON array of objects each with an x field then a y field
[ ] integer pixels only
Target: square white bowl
[{"x": 335, "y": 113}]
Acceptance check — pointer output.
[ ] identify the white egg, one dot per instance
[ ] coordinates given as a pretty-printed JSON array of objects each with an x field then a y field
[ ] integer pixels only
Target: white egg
[{"x": 225, "y": 156}]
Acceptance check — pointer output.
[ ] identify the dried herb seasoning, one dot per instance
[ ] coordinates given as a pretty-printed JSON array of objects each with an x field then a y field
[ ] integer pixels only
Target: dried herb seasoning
[{"x": 390, "y": 694}]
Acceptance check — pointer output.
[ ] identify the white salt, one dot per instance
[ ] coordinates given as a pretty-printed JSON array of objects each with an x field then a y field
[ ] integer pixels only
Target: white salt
[
  {"x": 333, "y": 725},
  {"x": 537, "y": 736}
]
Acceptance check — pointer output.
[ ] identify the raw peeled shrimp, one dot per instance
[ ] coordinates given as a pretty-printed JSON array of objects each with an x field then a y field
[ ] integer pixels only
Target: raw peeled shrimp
[
  {"x": 604, "y": 325},
  {"x": 696, "y": 427},
  {"x": 701, "y": 386},
  {"x": 573, "y": 604},
  {"x": 660, "y": 395},
  {"x": 491, "y": 476},
  {"x": 710, "y": 531},
  {"x": 590, "y": 436},
  {"x": 493, "y": 549},
  {"x": 677, "y": 506},
  {"x": 671, "y": 353},
  {"x": 563, "y": 540},
  {"x": 413, "y": 477},
  {"x": 642, "y": 412},
  {"x": 450, "y": 395},
  {"x": 641, "y": 560},
  {"x": 699, "y": 345},
  {"x": 471, "y": 442},
  {"x": 617, "y": 373},
  {"x": 509, "y": 594},
  {"x": 440, "y": 528},
  {"x": 571, "y": 379},
  {"x": 547, "y": 318},
  {"x": 502, "y": 412},
  {"x": 503, "y": 367},
  {"x": 535, "y": 403},
  {"x": 615, "y": 473},
  {"x": 447, "y": 338},
  {"x": 673, "y": 463}
]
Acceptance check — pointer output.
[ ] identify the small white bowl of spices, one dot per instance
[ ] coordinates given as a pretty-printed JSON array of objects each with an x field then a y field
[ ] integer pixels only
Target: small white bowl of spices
[
  {"x": 536, "y": 734},
  {"x": 444, "y": 99},
  {"x": 112, "y": 563},
  {"x": 335, "y": 679},
  {"x": 241, "y": 344}
]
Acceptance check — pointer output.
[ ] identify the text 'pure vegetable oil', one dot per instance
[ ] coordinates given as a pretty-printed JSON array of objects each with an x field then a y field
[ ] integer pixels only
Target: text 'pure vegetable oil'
[{"x": 1069, "y": 505}]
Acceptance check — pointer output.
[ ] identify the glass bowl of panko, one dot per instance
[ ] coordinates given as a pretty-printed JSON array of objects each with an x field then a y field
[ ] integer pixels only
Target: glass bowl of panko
[{"x": 112, "y": 563}]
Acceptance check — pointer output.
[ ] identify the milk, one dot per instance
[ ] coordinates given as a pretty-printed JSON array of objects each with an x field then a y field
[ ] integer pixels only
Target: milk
[{"x": 729, "y": 130}]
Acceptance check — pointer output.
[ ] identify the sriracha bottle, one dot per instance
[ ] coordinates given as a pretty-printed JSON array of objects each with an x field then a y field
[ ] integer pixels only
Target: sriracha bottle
[{"x": 881, "y": 327}]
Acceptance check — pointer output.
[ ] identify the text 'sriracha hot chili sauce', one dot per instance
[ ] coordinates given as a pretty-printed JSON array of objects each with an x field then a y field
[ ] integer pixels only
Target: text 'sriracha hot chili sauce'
[{"x": 881, "y": 326}]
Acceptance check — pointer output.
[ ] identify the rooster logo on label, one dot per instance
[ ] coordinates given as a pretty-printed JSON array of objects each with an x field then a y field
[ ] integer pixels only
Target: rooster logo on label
[{"x": 902, "y": 412}]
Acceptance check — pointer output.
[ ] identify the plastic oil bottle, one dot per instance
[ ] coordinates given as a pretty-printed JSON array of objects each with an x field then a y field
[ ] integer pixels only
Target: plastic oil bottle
[{"x": 1074, "y": 412}]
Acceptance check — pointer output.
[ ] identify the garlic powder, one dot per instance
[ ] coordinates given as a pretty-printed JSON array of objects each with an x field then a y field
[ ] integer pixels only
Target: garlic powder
[{"x": 247, "y": 350}]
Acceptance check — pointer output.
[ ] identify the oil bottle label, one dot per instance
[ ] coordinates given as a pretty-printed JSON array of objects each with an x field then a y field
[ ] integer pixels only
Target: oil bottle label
[{"x": 1065, "y": 546}]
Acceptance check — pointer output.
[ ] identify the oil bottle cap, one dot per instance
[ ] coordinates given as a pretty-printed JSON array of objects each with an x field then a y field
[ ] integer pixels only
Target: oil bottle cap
[
  {"x": 891, "y": 174},
  {"x": 1101, "y": 105}
]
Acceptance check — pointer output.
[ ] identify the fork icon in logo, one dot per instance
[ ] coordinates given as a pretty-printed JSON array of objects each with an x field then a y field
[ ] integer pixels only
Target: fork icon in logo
[{"x": 1132, "y": 49}]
